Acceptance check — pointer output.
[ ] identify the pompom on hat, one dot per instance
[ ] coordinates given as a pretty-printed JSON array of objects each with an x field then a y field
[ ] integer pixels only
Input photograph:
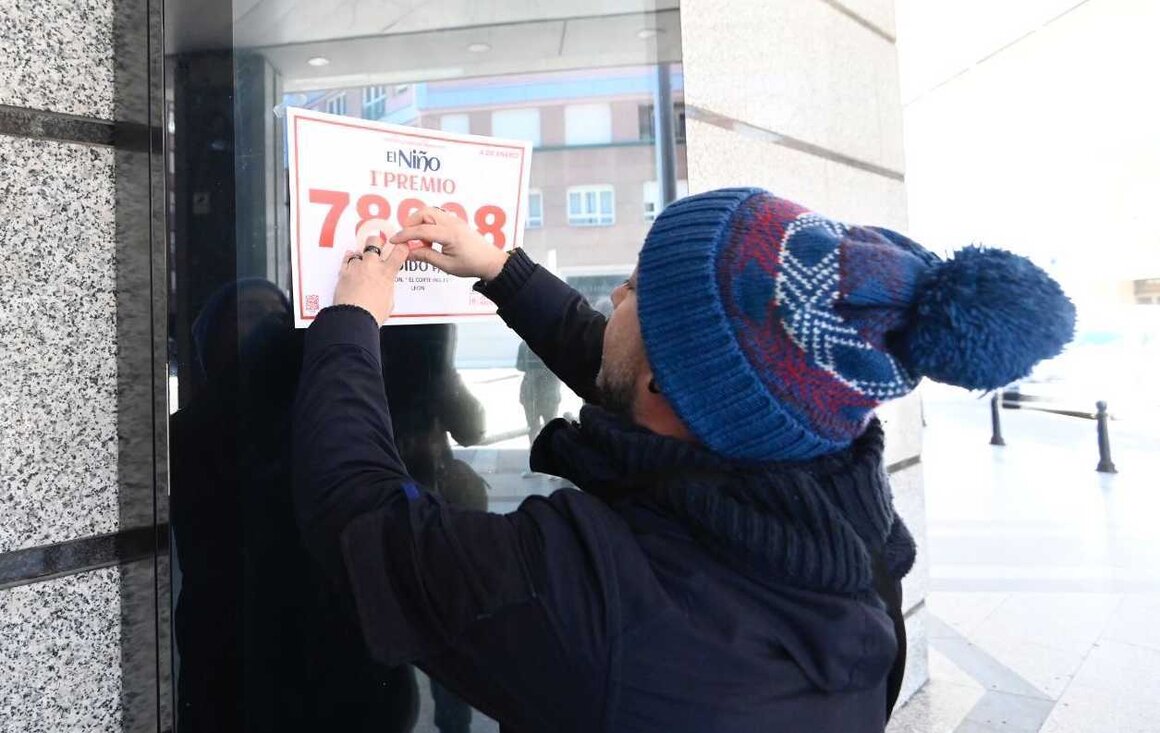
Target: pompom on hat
[{"x": 775, "y": 332}]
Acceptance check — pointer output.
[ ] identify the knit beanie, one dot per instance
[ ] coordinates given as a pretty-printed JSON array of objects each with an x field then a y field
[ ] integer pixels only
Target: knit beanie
[{"x": 774, "y": 332}]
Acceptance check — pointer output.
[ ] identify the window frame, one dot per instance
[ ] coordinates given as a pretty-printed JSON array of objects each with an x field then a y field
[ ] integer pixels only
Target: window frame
[
  {"x": 537, "y": 112},
  {"x": 593, "y": 218},
  {"x": 336, "y": 105},
  {"x": 371, "y": 100},
  {"x": 464, "y": 116},
  {"x": 646, "y": 121},
  {"x": 575, "y": 136},
  {"x": 535, "y": 222}
]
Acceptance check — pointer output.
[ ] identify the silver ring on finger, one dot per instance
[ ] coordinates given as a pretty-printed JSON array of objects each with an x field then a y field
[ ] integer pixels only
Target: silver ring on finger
[
  {"x": 353, "y": 258},
  {"x": 372, "y": 248}
]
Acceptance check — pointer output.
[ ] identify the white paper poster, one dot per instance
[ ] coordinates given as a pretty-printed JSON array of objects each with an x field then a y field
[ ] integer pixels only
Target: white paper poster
[{"x": 345, "y": 173}]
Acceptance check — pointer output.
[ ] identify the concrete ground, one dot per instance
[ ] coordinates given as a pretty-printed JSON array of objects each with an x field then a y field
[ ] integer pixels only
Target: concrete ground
[{"x": 1045, "y": 576}]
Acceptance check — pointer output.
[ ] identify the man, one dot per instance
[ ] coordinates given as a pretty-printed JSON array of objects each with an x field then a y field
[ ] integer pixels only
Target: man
[{"x": 732, "y": 562}]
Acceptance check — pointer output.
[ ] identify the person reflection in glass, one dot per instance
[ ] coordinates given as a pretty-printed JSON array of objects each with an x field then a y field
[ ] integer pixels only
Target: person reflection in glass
[
  {"x": 262, "y": 643},
  {"x": 539, "y": 390},
  {"x": 428, "y": 400}
]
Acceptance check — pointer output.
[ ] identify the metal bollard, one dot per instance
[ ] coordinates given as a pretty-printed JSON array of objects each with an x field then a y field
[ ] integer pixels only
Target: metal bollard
[
  {"x": 1106, "y": 465},
  {"x": 996, "y": 428}
]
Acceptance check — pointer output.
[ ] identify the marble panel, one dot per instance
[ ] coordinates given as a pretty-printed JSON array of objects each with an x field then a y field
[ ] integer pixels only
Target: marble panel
[
  {"x": 58, "y": 438},
  {"x": 58, "y": 56},
  {"x": 60, "y": 654}
]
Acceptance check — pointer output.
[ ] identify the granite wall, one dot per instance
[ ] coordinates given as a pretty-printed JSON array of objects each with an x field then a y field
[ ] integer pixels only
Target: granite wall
[
  {"x": 78, "y": 546},
  {"x": 802, "y": 97}
]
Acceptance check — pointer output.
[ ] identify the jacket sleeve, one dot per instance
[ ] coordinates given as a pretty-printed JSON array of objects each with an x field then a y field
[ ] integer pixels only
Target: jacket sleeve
[
  {"x": 553, "y": 319},
  {"x": 419, "y": 570},
  {"x": 516, "y": 613}
]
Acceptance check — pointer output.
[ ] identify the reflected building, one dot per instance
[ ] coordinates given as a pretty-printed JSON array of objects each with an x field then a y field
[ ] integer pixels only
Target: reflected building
[{"x": 594, "y": 189}]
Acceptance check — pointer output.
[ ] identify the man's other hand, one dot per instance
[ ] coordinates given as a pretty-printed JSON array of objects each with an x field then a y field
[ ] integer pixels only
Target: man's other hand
[
  {"x": 367, "y": 279},
  {"x": 465, "y": 252}
]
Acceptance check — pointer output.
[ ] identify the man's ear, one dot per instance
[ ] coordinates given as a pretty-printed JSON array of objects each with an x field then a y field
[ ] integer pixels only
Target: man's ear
[
  {"x": 646, "y": 379},
  {"x": 655, "y": 412}
]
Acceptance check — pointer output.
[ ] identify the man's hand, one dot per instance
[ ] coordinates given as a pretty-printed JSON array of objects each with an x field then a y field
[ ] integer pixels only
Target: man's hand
[
  {"x": 465, "y": 253},
  {"x": 368, "y": 280}
]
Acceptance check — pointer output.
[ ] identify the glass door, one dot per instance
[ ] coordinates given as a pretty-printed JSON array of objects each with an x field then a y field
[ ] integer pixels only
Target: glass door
[{"x": 259, "y": 641}]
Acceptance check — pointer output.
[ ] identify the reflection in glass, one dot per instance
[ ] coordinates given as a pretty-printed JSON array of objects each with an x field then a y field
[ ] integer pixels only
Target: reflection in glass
[{"x": 261, "y": 642}]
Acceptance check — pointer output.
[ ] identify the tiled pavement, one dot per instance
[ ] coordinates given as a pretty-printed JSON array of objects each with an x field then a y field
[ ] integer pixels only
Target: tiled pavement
[{"x": 1045, "y": 602}]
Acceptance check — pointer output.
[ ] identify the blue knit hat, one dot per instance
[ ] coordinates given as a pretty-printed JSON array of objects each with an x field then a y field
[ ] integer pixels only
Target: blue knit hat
[{"x": 775, "y": 332}]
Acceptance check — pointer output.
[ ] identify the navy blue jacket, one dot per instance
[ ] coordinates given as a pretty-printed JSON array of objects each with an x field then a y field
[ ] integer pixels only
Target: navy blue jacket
[{"x": 677, "y": 592}]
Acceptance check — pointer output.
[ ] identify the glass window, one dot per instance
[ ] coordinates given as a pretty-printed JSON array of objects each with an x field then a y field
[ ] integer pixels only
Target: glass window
[
  {"x": 337, "y": 105},
  {"x": 597, "y": 288},
  {"x": 652, "y": 197},
  {"x": 374, "y": 102},
  {"x": 647, "y": 121},
  {"x": 235, "y": 544},
  {"x": 591, "y": 206},
  {"x": 588, "y": 124},
  {"x": 535, "y": 210},
  {"x": 517, "y": 124},
  {"x": 458, "y": 123}
]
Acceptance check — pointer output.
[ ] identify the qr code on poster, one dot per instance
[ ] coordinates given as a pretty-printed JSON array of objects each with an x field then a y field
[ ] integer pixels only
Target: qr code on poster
[{"x": 311, "y": 303}]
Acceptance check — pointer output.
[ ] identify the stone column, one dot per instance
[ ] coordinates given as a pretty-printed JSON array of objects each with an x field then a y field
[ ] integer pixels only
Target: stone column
[
  {"x": 78, "y": 639},
  {"x": 802, "y": 97}
]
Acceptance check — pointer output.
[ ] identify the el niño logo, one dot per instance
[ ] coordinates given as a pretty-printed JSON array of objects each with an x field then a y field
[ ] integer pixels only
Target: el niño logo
[{"x": 416, "y": 160}]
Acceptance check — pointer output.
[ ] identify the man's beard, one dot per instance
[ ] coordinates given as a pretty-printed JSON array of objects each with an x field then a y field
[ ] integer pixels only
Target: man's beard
[{"x": 617, "y": 392}]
